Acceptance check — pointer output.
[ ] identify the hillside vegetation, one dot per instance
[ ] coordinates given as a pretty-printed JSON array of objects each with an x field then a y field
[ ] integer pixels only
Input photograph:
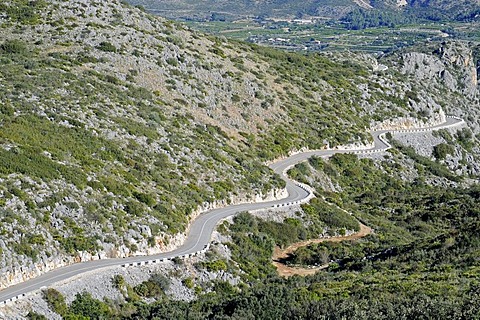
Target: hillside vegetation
[{"x": 117, "y": 126}]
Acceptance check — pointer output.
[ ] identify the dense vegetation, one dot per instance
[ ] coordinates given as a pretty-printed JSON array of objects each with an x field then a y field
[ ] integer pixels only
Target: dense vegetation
[
  {"x": 299, "y": 298},
  {"x": 363, "y": 19},
  {"x": 254, "y": 238},
  {"x": 417, "y": 13},
  {"x": 407, "y": 215},
  {"x": 313, "y": 75}
]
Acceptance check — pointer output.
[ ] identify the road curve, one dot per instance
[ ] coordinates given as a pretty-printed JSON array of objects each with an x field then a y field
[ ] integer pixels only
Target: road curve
[{"x": 198, "y": 238}]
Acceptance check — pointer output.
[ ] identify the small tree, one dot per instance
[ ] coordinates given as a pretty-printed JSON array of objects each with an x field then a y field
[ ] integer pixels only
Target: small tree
[
  {"x": 161, "y": 281},
  {"x": 441, "y": 150}
]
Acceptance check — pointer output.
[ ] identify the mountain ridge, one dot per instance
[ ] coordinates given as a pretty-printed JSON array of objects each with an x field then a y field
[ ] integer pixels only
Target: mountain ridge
[{"x": 437, "y": 9}]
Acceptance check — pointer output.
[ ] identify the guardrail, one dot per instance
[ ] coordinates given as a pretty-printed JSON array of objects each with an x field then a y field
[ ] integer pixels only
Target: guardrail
[
  {"x": 13, "y": 299},
  {"x": 382, "y": 137},
  {"x": 303, "y": 186},
  {"x": 155, "y": 261}
]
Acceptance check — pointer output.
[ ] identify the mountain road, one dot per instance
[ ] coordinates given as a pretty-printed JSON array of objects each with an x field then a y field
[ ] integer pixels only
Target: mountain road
[{"x": 201, "y": 229}]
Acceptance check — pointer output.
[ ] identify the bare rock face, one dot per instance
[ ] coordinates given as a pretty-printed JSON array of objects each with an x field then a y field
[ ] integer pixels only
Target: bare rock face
[
  {"x": 461, "y": 58},
  {"x": 452, "y": 64},
  {"x": 438, "y": 74},
  {"x": 425, "y": 66}
]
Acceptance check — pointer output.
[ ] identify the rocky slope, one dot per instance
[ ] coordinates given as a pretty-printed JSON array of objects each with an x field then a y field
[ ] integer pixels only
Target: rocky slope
[
  {"x": 449, "y": 70},
  {"x": 117, "y": 127}
]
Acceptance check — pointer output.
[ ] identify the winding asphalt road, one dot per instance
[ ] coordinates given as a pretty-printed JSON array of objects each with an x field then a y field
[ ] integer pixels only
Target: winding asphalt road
[{"x": 201, "y": 229}]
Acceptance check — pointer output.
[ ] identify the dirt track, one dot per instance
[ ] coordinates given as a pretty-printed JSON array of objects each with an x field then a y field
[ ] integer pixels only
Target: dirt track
[{"x": 286, "y": 271}]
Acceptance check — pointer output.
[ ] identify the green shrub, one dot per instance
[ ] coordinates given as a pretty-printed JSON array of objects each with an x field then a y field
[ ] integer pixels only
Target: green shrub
[
  {"x": 135, "y": 209},
  {"x": 465, "y": 138},
  {"x": 236, "y": 98},
  {"x": 440, "y": 151},
  {"x": 55, "y": 300},
  {"x": 219, "y": 52},
  {"x": 118, "y": 281},
  {"x": 25, "y": 248},
  {"x": 13, "y": 47},
  {"x": 107, "y": 47},
  {"x": 85, "y": 305},
  {"x": 215, "y": 266},
  {"x": 333, "y": 217},
  {"x": 154, "y": 287},
  {"x": 172, "y": 62},
  {"x": 23, "y": 11},
  {"x": 6, "y": 109},
  {"x": 161, "y": 281},
  {"x": 188, "y": 282},
  {"x": 35, "y": 316},
  {"x": 145, "y": 198}
]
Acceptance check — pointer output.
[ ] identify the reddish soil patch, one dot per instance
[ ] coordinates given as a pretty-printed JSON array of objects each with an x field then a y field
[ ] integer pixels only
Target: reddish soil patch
[{"x": 286, "y": 271}]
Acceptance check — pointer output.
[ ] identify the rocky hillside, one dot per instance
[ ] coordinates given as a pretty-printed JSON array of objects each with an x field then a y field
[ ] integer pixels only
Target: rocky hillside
[
  {"x": 449, "y": 69},
  {"x": 117, "y": 127}
]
